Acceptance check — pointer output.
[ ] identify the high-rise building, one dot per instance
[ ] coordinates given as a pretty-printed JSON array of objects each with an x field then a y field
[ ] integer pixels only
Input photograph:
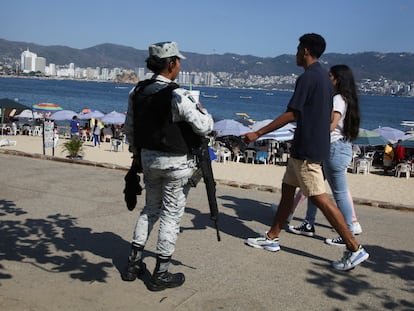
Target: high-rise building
[
  {"x": 31, "y": 62},
  {"x": 27, "y": 61},
  {"x": 40, "y": 64}
]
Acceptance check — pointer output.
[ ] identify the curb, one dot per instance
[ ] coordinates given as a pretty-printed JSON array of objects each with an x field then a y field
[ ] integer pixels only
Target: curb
[{"x": 230, "y": 183}]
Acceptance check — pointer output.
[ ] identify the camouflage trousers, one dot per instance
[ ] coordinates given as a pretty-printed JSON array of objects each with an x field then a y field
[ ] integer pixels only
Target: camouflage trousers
[{"x": 166, "y": 196}]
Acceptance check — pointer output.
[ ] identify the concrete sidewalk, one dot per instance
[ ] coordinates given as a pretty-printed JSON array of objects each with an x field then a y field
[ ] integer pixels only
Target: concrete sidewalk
[{"x": 65, "y": 235}]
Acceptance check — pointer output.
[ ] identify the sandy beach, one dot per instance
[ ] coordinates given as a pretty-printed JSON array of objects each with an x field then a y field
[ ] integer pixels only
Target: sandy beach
[{"x": 373, "y": 189}]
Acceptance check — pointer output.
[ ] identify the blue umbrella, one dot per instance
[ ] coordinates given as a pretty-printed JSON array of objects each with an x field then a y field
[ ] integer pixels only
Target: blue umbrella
[
  {"x": 113, "y": 118},
  {"x": 229, "y": 127},
  {"x": 285, "y": 133}
]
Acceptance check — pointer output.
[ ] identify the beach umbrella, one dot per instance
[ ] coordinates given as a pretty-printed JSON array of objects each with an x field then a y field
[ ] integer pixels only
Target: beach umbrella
[
  {"x": 7, "y": 103},
  {"x": 284, "y": 133},
  {"x": 46, "y": 107},
  {"x": 390, "y": 133},
  {"x": 91, "y": 114},
  {"x": 408, "y": 141},
  {"x": 228, "y": 127},
  {"x": 369, "y": 138},
  {"x": 63, "y": 115},
  {"x": 29, "y": 114},
  {"x": 113, "y": 118}
]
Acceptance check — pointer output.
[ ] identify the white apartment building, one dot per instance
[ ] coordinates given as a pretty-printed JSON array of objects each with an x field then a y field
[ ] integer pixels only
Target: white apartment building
[{"x": 29, "y": 62}]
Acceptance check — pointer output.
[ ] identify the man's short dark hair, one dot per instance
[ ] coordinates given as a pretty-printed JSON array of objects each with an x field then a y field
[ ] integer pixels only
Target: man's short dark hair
[{"x": 314, "y": 43}]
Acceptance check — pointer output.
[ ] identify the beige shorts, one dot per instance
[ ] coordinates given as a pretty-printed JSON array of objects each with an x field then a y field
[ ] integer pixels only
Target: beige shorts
[{"x": 306, "y": 175}]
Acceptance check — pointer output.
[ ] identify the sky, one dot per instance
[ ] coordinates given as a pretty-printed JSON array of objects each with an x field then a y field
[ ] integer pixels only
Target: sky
[{"x": 264, "y": 28}]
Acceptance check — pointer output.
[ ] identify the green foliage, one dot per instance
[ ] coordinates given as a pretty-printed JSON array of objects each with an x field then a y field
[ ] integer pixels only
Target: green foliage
[{"x": 74, "y": 148}]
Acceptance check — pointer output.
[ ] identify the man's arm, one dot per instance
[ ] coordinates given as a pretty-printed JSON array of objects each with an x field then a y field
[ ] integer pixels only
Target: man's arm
[{"x": 283, "y": 119}]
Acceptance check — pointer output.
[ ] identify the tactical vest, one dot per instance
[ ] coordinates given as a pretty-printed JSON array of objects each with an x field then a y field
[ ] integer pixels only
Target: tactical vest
[{"x": 154, "y": 128}]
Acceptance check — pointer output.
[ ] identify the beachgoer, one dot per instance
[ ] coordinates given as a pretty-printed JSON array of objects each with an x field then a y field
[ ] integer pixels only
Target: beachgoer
[
  {"x": 311, "y": 107},
  {"x": 388, "y": 157},
  {"x": 74, "y": 128},
  {"x": 399, "y": 152},
  {"x": 163, "y": 124},
  {"x": 344, "y": 128},
  {"x": 96, "y": 134}
]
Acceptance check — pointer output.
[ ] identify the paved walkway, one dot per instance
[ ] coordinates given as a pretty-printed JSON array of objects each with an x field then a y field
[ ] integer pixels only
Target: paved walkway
[{"x": 65, "y": 232}]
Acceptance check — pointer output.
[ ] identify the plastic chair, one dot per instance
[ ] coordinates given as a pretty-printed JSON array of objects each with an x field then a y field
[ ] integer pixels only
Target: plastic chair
[
  {"x": 37, "y": 131},
  {"x": 262, "y": 157},
  {"x": 224, "y": 154},
  {"x": 7, "y": 142},
  {"x": 362, "y": 166},
  {"x": 250, "y": 155},
  {"x": 84, "y": 135},
  {"x": 278, "y": 155},
  {"x": 237, "y": 154},
  {"x": 116, "y": 144},
  {"x": 403, "y": 168}
]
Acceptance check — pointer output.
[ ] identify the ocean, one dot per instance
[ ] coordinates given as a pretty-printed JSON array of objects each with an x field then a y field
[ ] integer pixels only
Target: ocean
[{"x": 222, "y": 103}]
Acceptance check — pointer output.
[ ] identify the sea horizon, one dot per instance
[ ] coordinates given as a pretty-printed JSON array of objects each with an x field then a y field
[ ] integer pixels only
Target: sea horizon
[{"x": 259, "y": 104}]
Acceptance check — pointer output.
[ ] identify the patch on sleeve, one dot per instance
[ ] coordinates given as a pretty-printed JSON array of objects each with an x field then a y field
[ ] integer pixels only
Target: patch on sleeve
[{"x": 189, "y": 96}]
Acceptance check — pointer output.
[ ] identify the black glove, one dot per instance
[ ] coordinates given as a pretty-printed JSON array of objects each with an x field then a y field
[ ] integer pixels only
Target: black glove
[{"x": 132, "y": 188}]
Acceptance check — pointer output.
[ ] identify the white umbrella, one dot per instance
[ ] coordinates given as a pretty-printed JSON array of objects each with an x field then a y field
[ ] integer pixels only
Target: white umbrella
[
  {"x": 113, "y": 118},
  {"x": 63, "y": 115},
  {"x": 228, "y": 127},
  {"x": 392, "y": 134},
  {"x": 29, "y": 114}
]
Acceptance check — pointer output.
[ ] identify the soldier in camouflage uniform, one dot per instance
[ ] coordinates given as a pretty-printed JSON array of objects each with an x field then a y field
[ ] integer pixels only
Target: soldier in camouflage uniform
[{"x": 163, "y": 124}]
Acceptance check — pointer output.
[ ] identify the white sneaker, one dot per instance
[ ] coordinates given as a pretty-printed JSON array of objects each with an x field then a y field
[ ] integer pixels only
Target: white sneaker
[
  {"x": 351, "y": 259},
  {"x": 264, "y": 242},
  {"x": 357, "y": 228}
]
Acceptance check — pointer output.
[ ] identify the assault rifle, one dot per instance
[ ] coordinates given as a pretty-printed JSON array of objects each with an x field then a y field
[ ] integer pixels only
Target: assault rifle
[{"x": 205, "y": 171}]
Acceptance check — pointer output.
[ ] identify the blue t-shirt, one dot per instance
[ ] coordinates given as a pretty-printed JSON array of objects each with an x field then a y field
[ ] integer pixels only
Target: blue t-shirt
[
  {"x": 312, "y": 104},
  {"x": 74, "y": 126}
]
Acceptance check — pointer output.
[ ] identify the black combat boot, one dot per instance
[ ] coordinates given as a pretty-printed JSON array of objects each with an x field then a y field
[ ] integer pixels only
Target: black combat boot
[
  {"x": 135, "y": 267},
  {"x": 162, "y": 279}
]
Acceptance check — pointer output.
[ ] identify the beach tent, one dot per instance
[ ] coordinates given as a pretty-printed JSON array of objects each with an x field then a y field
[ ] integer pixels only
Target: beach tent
[{"x": 7, "y": 103}]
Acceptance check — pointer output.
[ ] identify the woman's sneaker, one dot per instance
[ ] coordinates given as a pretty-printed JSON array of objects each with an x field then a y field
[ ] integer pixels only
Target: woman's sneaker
[
  {"x": 351, "y": 259},
  {"x": 357, "y": 228},
  {"x": 304, "y": 228},
  {"x": 264, "y": 242},
  {"x": 336, "y": 241}
]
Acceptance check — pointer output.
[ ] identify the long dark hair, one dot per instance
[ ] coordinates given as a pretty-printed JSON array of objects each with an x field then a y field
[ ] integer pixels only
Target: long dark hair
[{"x": 346, "y": 87}]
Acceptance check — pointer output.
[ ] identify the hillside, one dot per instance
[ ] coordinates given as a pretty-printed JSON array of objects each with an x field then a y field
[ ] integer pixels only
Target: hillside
[{"x": 367, "y": 65}]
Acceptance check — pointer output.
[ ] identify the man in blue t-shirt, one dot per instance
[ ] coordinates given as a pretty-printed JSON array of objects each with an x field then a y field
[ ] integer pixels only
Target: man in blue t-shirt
[
  {"x": 74, "y": 127},
  {"x": 310, "y": 107}
]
